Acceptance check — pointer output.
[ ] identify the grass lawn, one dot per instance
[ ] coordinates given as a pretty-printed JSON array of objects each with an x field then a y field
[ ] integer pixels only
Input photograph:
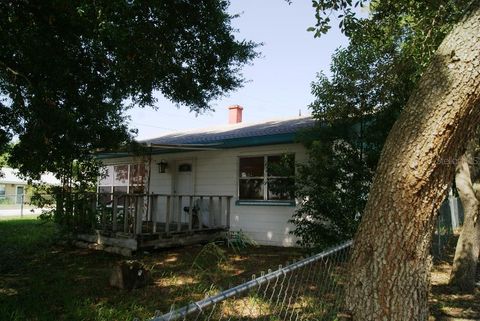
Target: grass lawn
[
  {"x": 41, "y": 280},
  {"x": 18, "y": 217}
]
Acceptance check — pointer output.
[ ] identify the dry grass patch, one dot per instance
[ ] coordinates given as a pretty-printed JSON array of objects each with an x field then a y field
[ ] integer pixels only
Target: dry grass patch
[
  {"x": 42, "y": 280},
  {"x": 446, "y": 302}
]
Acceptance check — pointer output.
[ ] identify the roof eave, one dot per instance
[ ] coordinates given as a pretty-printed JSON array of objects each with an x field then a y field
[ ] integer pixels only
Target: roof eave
[{"x": 285, "y": 138}]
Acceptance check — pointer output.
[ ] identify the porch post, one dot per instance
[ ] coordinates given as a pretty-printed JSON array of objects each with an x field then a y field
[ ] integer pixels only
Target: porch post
[
  {"x": 167, "y": 216},
  {"x": 190, "y": 213},
  {"x": 180, "y": 209},
  {"x": 126, "y": 212},
  {"x": 220, "y": 209},
  {"x": 93, "y": 214},
  {"x": 153, "y": 208},
  {"x": 139, "y": 208},
  {"x": 114, "y": 213},
  {"x": 227, "y": 225},
  {"x": 210, "y": 212},
  {"x": 200, "y": 214}
]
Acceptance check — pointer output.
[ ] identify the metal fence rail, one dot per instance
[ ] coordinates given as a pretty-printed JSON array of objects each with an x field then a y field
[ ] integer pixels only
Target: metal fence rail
[
  {"x": 17, "y": 205},
  {"x": 308, "y": 289},
  {"x": 450, "y": 217}
]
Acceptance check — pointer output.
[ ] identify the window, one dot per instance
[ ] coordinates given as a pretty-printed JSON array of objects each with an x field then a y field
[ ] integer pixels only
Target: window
[
  {"x": 267, "y": 178},
  {"x": 120, "y": 179},
  {"x": 280, "y": 177},
  {"x": 252, "y": 170},
  {"x": 2, "y": 191},
  {"x": 185, "y": 167}
]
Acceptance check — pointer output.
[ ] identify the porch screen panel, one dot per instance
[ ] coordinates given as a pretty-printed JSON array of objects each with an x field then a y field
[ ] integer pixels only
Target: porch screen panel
[
  {"x": 105, "y": 196},
  {"x": 105, "y": 185},
  {"x": 121, "y": 179},
  {"x": 120, "y": 189},
  {"x": 106, "y": 176},
  {"x": 120, "y": 175}
]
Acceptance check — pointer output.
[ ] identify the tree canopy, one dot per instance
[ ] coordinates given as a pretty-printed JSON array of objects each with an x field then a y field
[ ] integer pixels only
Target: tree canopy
[
  {"x": 353, "y": 119},
  {"x": 372, "y": 79},
  {"x": 390, "y": 266},
  {"x": 70, "y": 69}
]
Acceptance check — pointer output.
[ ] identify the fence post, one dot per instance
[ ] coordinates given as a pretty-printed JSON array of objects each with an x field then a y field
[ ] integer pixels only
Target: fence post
[
  {"x": 21, "y": 206},
  {"x": 439, "y": 233}
]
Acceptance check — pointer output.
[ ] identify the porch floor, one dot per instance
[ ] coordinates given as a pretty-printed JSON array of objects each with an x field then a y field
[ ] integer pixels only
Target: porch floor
[{"x": 126, "y": 243}]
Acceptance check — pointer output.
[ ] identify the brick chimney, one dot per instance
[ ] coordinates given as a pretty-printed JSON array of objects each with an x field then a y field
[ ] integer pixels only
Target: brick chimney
[{"x": 235, "y": 114}]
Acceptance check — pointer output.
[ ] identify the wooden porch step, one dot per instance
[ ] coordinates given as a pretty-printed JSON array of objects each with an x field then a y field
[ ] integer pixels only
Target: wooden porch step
[{"x": 181, "y": 239}]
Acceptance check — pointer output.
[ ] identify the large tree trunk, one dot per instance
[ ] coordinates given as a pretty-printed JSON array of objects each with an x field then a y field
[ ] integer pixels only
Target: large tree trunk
[
  {"x": 468, "y": 246},
  {"x": 390, "y": 264}
]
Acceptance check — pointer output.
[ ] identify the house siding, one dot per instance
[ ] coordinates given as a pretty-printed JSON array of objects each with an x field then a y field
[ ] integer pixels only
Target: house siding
[
  {"x": 216, "y": 173},
  {"x": 11, "y": 189},
  {"x": 10, "y": 196}
]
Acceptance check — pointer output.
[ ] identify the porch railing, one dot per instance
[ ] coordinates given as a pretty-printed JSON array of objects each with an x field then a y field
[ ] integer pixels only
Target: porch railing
[{"x": 143, "y": 214}]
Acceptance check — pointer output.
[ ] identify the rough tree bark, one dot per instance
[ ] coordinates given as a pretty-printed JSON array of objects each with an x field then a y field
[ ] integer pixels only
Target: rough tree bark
[
  {"x": 468, "y": 246},
  {"x": 390, "y": 264}
]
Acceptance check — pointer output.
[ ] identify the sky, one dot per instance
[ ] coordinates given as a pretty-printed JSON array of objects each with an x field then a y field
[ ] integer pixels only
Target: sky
[{"x": 278, "y": 82}]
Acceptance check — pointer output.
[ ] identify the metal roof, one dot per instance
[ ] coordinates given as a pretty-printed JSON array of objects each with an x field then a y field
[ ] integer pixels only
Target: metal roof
[
  {"x": 223, "y": 135},
  {"x": 280, "y": 131},
  {"x": 11, "y": 176}
]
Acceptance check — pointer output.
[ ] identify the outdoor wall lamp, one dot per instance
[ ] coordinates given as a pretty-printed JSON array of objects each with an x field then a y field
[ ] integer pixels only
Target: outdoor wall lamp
[{"x": 162, "y": 166}]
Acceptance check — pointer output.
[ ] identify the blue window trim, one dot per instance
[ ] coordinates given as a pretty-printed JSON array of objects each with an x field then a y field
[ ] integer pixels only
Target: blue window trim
[{"x": 264, "y": 203}]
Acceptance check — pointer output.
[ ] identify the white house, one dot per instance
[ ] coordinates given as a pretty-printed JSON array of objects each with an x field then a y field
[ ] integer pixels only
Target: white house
[{"x": 236, "y": 161}]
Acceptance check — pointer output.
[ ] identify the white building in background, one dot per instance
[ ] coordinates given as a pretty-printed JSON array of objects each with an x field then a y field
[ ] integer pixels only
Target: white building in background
[{"x": 14, "y": 188}]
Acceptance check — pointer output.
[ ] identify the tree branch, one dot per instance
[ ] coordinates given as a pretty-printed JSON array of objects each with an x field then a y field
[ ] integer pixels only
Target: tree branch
[{"x": 15, "y": 73}]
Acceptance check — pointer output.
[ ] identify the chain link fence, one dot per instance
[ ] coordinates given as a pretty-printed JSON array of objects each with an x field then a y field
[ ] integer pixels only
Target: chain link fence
[
  {"x": 19, "y": 205},
  {"x": 311, "y": 288},
  {"x": 450, "y": 217}
]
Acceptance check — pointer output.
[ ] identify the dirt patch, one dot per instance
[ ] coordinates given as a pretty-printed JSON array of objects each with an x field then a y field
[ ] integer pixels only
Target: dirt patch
[{"x": 446, "y": 303}]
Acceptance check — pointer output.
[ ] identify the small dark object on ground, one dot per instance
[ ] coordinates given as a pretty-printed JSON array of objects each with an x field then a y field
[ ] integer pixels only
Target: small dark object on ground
[{"x": 129, "y": 275}]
